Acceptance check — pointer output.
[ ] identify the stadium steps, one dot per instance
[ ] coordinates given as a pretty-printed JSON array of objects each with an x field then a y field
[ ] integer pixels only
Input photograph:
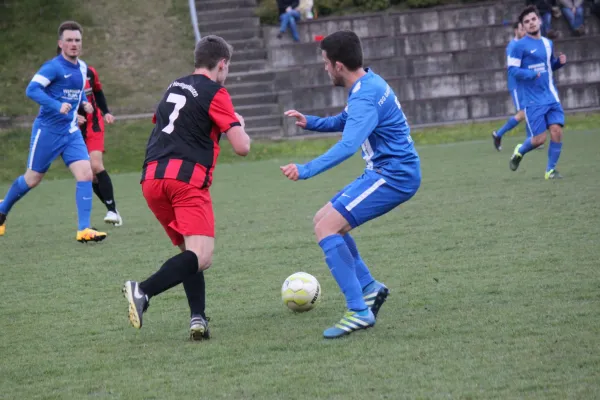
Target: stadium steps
[{"x": 250, "y": 80}]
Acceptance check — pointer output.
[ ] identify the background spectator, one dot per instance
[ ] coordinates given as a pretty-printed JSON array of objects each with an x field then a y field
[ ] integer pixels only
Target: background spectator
[
  {"x": 573, "y": 12},
  {"x": 288, "y": 15}
]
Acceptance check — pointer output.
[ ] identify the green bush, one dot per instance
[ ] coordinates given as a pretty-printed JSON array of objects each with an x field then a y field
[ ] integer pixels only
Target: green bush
[
  {"x": 268, "y": 12},
  {"x": 372, "y": 5},
  {"x": 424, "y": 3}
]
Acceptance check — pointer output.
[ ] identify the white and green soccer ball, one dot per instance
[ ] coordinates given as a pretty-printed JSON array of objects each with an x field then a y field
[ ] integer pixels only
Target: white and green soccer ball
[{"x": 301, "y": 292}]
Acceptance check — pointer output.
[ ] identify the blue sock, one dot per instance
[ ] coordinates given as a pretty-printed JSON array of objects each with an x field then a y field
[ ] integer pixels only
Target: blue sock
[
  {"x": 17, "y": 190},
  {"x": 510, "y": 124},
  {"x": 83, "y": 199},
  {"x": 526, "y": 146},
  {"x": 362, "y": 271},
  {"x": 341, "y": 264},
  {"x": 553, "y": 154}
]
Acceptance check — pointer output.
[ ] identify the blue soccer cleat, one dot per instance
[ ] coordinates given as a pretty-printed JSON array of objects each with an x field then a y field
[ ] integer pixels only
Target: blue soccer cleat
[
  {"x": 349, "y": 323},
  {"x": 375, "y": 294}
]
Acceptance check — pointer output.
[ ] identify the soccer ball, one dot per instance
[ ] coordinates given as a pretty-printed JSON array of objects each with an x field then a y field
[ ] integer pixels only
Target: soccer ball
[{"x": 301, "y": 292}]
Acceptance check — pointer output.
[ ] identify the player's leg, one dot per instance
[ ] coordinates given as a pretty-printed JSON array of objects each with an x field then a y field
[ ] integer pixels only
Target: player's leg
[
  {"x": 102, "y": 183},
  {"x": 374, "y": 293},
  {"x": 181, "y": 209},
  {"x": 556, "y": 120},
  {"x": 76, "y": 158},
  {"x": 42, "y": 151},
  {"x": 510, "y": 124},
  {"x": 536, "y": 134}
]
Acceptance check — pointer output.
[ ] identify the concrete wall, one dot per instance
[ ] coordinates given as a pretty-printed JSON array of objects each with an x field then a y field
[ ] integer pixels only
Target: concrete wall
[{"x": 445, "y": 65}]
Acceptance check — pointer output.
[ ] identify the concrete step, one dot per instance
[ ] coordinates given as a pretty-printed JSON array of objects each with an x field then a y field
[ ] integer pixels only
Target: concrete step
[
  {"x": 464, "y": 83},
  {"x": 249, "y": 55},
  {"x": 254, "y": 43},
  {"x": 244, "y": 66},
  {"x": 254, "y": 99},
  {"x": 236, "y": 34},
  {"x": 213, "y": 5},
  {"x": 257, "y": 110},
  {"x": 216, "y": 26},
  {"x": 241, "y": 89},
  {"x": 251, "y": 77},
  {"x": 477, "y": 106},
  {"x": 576, "y": 49},
  {"x": 253, "y": 122},
  {"x": 265, "y": 132},
  {"x": 226, "y": 13}
]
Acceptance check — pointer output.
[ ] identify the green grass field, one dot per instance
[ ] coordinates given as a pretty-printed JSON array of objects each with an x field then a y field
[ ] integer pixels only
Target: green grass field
[{"x": 494, "y": 279}]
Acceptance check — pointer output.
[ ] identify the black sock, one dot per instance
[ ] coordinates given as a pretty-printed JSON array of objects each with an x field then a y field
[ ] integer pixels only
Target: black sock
[
  {"x": 174, "y": 271},
  {"x": 96, "y": 188},
  {"x": 106, "y": 190},
  {"x": 196, "y": 293}
]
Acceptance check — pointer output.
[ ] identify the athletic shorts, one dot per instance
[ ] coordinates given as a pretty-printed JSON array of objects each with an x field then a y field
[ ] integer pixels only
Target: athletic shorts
[
  {"x": 369, "y": 197},
  {"x": 539, "y": 118},
  {"x": 182, "y": 209},
  {"x": 46, "y": 146},
  {"x": 94, "y": 141}
]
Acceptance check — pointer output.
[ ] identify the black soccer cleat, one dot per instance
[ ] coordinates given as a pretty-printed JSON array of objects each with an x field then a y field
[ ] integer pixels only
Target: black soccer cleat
[
  {"x": 199, "y": 328},
  {"x": 497, "y": 141},
  {"x": 138, "y": 302}
]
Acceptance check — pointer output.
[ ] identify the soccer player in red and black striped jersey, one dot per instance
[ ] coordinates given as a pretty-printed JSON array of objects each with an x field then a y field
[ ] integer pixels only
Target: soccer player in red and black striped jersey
[
  {"x": 180, "y": 159},
  {"x": 92, "y": 128}
]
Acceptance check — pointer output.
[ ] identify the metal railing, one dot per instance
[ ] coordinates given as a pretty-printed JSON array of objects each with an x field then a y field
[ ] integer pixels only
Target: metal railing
[{"x": 194, "y": 16}]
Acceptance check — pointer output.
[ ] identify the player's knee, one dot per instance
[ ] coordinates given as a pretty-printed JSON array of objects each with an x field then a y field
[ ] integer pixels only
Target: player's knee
[
  {"x": 204, "y": 261},
  {"x": 32, "y": 179},
  {"x": 97, "y": 166}
]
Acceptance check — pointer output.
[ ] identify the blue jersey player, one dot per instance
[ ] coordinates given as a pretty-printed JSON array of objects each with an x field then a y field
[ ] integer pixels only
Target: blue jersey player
[
  {"x": 373, "y": 120},
  {"x": 515, "y": 92},
  {"x": 58, "y": 87},
  {"x": 532, "y": 62}
]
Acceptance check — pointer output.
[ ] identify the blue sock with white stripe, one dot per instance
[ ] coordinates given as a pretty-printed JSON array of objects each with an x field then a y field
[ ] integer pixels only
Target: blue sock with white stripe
[
  {"x": 526, "y": 147},
  {"x": 83, "y": 199},
  {"x": 17, "y": 190},
  {"x": 341, "y": 264},
  {"x": 553, "y": 154},
  {"x": 362, "y": 271},
  {"x": 510, "y": 124}
]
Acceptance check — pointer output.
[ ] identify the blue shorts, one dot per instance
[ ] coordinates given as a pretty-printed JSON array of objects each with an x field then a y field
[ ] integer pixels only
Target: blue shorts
[
  {"x": 539, "y": 118},
  {"x": 369, "y": 197},
  {"x": 517, "y": 99},
  {"x": 46, "y": 146}
]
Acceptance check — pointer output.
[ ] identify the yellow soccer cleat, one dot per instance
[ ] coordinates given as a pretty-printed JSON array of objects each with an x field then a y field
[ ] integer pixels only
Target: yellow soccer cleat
[{"x": 90, "y": 235}]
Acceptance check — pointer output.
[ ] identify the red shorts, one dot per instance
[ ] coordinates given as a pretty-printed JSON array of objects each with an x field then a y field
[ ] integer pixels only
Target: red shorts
[
  {"x": 94, "y": 141},
  {"x": 182, "y": 209}
]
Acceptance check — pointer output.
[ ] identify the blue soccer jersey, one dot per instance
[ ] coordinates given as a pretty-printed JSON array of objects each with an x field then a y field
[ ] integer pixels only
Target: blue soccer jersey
[
  {"x": 512, "y": 80},
  {"x": 528, "y": 58},
  {"x": 58, "y": 81},
  {"x": 374, "y": 121}
]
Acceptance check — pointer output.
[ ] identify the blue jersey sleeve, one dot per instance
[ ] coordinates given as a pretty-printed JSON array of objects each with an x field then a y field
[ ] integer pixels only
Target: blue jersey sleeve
[
  {"x": 35, "y": 89},
  {"x": 361, "y": 119},
  {"x": 328, "y": 124},
  {"x": 515, "y": 58}
]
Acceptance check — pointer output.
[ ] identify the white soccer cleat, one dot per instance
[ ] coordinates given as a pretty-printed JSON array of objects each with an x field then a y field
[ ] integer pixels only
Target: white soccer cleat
[{"x": 113, "y": 218}]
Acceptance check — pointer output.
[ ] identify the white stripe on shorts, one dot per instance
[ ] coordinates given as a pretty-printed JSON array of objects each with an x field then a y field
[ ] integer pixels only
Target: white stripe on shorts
[
  {"x": 37, "y": 136},
  {"x": 364, "y": 194}
]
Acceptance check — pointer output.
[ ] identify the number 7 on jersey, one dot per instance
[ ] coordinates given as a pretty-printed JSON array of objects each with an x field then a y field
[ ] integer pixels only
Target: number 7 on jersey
[{"x": 179, "y": 102}]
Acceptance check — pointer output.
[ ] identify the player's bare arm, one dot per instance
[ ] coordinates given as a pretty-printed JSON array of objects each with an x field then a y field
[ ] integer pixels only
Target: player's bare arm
[
  {"x": 239, "y": 139},
  {"x": 87, "y": 107}
]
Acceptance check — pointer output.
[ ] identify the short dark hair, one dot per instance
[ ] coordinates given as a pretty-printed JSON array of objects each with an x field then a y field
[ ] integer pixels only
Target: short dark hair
[
  {"x": 516, "y": 24},
  {"x": 69, "y": 26},
  {"x": 528, "y": 10},
  {"x": 345, "y": 47},
  {"x": 210, "y": 50}
]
